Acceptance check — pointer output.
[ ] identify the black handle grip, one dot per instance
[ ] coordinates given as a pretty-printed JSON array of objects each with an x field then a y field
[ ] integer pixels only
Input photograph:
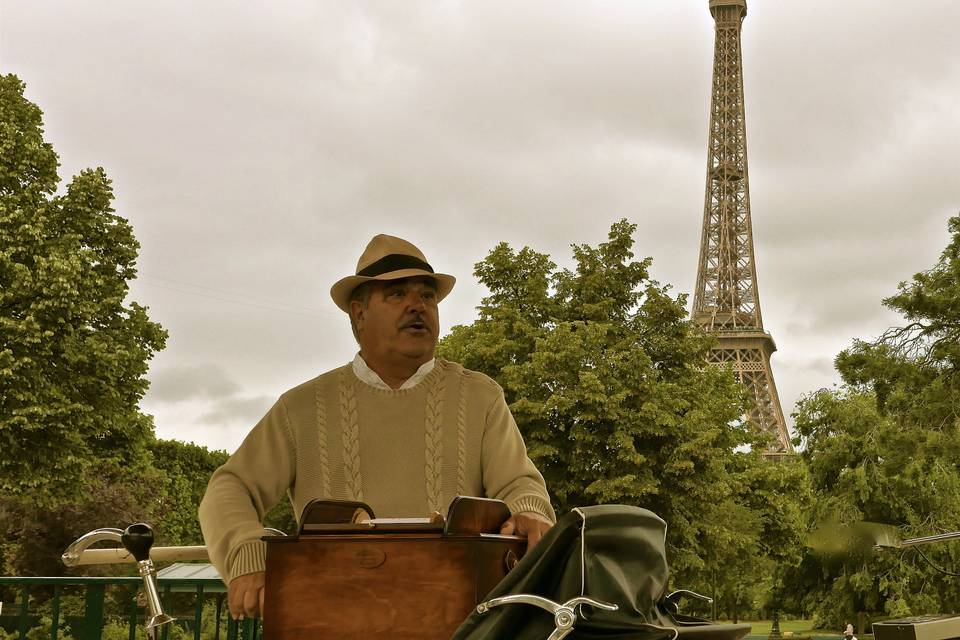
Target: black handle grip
[{"x": 137, "y": 539}]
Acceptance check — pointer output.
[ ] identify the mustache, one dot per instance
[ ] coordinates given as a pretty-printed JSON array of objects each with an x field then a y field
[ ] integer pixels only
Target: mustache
[{"x": 416, "y": 319}]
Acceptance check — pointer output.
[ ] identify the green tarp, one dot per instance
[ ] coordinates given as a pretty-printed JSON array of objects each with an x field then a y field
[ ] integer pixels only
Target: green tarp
[{"x": 611, "y": 553}]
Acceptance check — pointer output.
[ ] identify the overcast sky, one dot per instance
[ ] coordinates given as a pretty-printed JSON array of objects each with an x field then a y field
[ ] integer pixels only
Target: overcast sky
[{"x": 256, "y": 147}]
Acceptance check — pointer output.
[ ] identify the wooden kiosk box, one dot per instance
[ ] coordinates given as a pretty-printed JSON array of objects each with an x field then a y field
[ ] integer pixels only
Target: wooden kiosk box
[{"x": 349, "y": 576}]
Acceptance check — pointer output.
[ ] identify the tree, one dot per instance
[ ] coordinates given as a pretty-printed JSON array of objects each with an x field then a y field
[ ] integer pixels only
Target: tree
[
  {"x": 77, "y": 453},
  {"x": 883, "y": 448},
  {"x": 73, "y": 351},
  {"x": 165, "y": 493},
  {"x": 607, "y": 380},
  {"x": 32, "y": 537},
  {"x": 769, "y": 509},
  {"x": 184, "y": 470}
]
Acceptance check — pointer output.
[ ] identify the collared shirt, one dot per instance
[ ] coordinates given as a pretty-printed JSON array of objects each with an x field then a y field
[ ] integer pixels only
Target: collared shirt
[{"x": 368, "y": 375}]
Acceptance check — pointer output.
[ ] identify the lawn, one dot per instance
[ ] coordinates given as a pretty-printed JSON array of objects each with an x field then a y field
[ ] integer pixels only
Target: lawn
[{"x": 792, "y": 628}]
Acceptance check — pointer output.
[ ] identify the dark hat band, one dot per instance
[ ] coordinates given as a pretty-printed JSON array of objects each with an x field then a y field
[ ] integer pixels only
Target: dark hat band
[{"x": 393, "y": 262}]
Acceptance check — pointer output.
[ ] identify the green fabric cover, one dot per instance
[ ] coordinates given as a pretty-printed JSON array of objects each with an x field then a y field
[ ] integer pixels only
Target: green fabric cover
[{"x": 624, "y": 563}]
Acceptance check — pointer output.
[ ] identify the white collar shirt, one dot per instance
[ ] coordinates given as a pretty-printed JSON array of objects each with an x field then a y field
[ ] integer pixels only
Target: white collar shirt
[{"x": 370, "y": 377}]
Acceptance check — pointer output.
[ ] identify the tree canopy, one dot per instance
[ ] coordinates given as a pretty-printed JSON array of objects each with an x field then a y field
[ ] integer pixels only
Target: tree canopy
[
  {"x": 77, "y": 453},
  {"x": 73, "y": 353},
  {"x": 883, "y": 448},
  {"x": 73, "y": 349},
  {"x": 608, "y": 382},
  {"x": 184, "y": 470}
]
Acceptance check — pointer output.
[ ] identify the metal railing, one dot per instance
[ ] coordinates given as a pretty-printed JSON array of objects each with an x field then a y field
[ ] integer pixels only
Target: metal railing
[{"x": 90, "y": 625}]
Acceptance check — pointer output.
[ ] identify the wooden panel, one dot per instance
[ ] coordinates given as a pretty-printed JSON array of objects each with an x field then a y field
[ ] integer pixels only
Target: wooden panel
[{"x": 416, "y": 586}]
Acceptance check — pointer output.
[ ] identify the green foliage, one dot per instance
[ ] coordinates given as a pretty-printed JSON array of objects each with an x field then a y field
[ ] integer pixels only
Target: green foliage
[
  {"x": 32, "y": 537},
  {"x": 608, "y": 383},
  {"x": 281, "y": 517},
  {"x": 119, "y": 630},
  {"x": 42, "y": 630},
  {"x": 883, "y": 448},
  {"x": 185, "y": 469},
  {"x": 767, "y": 517},
  {"x": 73, "y": 353},
  {"x": 117, "y": 627},
  {"x": 931, "y": 302},
  {"x": 116, "y": 624},
  {"x": 77, "y": 452},
  {"x": 870, "y": 466}
]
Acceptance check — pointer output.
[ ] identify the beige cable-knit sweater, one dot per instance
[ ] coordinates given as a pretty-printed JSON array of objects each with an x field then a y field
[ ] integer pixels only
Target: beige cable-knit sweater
[{"x": 404, "y": 452}]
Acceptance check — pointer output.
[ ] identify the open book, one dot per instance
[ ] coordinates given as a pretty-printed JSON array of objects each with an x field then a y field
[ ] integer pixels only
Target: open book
[
  {"x": 330, "y": 516},
  {"x": 466, "y": 515}
]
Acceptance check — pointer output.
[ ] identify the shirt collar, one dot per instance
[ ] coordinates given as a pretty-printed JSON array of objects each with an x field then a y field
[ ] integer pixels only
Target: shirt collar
[{"x": 369, "y": 376}]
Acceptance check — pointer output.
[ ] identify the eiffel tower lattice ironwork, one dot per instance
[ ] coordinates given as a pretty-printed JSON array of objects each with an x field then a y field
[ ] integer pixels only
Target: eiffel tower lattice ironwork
[{"x": 726, "y": 302}]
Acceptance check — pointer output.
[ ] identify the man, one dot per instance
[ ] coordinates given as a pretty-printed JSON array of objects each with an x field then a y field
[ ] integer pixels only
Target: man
[{"x": 397, "y": 428}]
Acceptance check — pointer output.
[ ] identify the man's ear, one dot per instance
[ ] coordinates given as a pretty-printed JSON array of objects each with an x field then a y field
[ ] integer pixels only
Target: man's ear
[{"x": 356, "y": 313}]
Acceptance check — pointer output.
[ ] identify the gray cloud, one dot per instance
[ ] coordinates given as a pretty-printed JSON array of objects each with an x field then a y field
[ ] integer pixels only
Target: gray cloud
[
  {"x": 255, "y": 148},
  {"x": 244, "y": 410},
  {"x": 185, "y": 382}
]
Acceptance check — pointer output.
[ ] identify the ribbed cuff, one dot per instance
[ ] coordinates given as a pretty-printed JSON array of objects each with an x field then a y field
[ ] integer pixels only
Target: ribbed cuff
[
  {"x": 536, "y": 504},
  {"x": 249, "y": 558}
]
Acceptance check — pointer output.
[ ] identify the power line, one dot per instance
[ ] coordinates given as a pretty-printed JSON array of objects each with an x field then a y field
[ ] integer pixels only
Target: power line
[{"x": 232, "y": 297}]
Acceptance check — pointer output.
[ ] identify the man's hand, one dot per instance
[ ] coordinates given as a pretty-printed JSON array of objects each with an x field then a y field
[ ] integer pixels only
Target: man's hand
[
  {"x": 245, "y": 595},
  {"x": 526, "y": 524}
]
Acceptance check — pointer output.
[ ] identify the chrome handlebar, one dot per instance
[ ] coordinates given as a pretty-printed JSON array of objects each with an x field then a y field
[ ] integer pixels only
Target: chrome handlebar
[
  {"x": 71, "y": 557},
  {"x": 137, "y": 539}
]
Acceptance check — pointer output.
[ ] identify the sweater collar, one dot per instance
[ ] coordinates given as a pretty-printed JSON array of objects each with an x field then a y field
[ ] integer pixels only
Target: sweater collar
[{"x": 370, "y": 377}]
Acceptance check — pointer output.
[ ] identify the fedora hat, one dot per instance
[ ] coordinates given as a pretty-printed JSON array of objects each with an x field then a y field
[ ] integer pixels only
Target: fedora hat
[{"x": 389, "y": 258}]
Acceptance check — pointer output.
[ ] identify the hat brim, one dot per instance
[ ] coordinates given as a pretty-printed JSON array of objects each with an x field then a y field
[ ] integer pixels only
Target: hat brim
[{"x": 341, "y": 290}]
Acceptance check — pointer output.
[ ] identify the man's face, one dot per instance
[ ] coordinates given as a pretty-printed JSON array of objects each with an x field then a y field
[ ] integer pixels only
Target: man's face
[{"x": 400, "y": 323}]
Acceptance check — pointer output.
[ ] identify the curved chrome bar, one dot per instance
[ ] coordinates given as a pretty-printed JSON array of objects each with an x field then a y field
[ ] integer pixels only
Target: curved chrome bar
[
  {"x": 564, "y": 615},
  {"x": 537, "y": 601},
  {"x": 137, "y": 539},
  {"x": 606, "y": 606},
  {"x": 672, "y": 602},
  {"x": 71, "y": 556},
  {"x": 686, "y": 593}
]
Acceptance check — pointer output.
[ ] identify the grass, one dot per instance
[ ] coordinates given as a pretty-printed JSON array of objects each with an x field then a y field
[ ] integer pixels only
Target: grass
[{"x": 791, "y": 628}]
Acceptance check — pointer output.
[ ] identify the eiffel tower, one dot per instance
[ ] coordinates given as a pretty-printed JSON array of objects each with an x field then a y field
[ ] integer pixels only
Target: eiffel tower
[{"x": 726, "y": 302}]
